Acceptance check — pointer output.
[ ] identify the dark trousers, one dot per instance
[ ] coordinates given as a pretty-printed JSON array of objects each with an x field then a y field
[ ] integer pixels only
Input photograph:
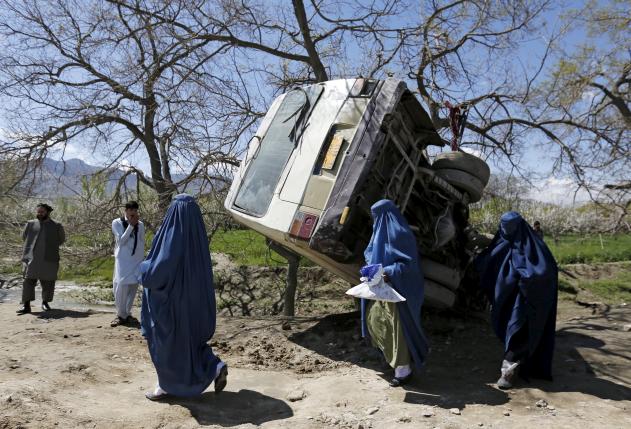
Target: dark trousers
[{"x": 28, "y": 290}]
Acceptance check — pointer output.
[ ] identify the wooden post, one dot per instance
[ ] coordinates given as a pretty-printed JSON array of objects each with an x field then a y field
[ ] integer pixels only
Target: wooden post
[{"x": 291, "y": 286}]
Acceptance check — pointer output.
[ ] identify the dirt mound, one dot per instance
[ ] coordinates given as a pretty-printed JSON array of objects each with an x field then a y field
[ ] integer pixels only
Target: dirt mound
[
  {"x": 594, "y": 271},
  {"x": 285, "y": 345},
  {"x": 596, "y": 285}
]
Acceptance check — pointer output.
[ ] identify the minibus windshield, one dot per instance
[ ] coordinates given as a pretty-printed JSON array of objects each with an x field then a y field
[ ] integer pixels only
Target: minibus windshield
[{"x": 283, "y": 135}]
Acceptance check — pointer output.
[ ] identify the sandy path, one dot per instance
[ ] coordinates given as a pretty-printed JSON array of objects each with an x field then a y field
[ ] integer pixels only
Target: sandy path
[{"x": 69, "y": 369}]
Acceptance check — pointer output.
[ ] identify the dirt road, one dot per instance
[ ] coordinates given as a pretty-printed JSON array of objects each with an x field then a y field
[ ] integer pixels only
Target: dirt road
[{"x": 68, "y": 368}]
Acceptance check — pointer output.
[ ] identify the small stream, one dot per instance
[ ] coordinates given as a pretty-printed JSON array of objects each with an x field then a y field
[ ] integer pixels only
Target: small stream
[{"x": 68, "y": 295}]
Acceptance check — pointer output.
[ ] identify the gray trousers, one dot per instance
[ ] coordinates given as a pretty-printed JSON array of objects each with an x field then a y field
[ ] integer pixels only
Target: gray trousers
[{"x": 28, "y": 290}]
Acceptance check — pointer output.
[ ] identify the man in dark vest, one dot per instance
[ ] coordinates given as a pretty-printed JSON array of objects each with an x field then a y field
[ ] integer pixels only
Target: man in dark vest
[{"x": 42, "y": 238}]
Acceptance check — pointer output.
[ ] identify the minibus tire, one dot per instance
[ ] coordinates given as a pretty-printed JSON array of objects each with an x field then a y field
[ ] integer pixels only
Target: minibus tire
[
  {"x": 441, "y": 274},
  {"x": 464, "y": 181},
  {"x": 464, "y": 162},
  {"x": 438, "y": 296}
]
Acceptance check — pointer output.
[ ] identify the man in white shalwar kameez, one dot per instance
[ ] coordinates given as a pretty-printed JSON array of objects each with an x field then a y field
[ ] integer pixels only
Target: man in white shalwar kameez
[{"x": 129, "y": 252}]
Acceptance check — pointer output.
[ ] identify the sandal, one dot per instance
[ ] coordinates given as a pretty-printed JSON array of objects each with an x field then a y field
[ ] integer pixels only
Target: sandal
[{"x": 222, "y": 379}]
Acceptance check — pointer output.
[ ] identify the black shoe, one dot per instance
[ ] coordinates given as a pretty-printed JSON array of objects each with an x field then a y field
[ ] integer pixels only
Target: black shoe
[
  {"x": 400, "y": 381},
  {"x": 222, "y": 379},
  {"x": 45, "y": 306},
  {"x": 26, "y": 309},
  {"x": 118, "y": 321}
]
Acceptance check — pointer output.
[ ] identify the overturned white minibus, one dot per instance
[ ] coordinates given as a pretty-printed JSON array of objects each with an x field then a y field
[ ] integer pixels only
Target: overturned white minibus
[{"x": 324, "y": 153}]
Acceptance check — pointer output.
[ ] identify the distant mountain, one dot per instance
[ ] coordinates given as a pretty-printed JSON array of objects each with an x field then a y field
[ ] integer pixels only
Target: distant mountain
[
  {"x": 70, "y": 167},
  {"x": 65, "y": 178}
]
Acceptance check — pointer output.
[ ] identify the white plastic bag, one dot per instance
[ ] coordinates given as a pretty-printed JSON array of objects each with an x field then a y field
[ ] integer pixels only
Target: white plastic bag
[{"x": 375, "y": 288}]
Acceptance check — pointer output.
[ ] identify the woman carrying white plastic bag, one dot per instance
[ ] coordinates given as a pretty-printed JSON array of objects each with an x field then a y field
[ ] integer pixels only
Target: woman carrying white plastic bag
[
  {"x": 395, "y": 328},
  {"x": 374, "y": 287}
]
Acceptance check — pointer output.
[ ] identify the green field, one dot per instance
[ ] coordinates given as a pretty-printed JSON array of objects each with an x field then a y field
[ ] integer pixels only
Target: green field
[
  {"x": 571, "y": 249},
  {"x": 247, "y": 247}
]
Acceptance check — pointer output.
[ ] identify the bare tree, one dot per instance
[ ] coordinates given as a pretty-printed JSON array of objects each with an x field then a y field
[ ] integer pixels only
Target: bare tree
[
  {"x": 115, "y": 83},
  {"x": 465, "y": 53},
  {"x": 591, "y": 86}
]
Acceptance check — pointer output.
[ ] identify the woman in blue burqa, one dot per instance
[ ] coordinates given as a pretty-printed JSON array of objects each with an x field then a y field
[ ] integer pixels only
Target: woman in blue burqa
[
  {"x": 395, "y": 328},
  {"x": 178, "y": 305},
  {"x": 520, "y": 276}
]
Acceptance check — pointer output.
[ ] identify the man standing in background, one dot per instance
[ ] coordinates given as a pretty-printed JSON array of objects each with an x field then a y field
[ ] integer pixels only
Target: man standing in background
[
  {"x": 129, "y": 252},
  {"x": 42, "y": 238},
  {"x": 537, "y": 228}
]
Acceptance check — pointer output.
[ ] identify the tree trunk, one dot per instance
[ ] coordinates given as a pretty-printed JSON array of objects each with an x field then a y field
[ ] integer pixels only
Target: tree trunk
[
  {"x": 314, "y": 56},
  {"x": 158, "y": 162},
  {"x": 165, "y": 194}
]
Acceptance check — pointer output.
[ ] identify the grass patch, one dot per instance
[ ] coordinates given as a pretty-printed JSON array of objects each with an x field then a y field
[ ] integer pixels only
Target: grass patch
[
  {"x": 572, "y": 249},
  {"x": 248, "y": 247},
  {"x": 91, "y": 295},
  {"x": 616, "y": 289},
  {"x": 99, "y": 270},
  {"x": 245, "y": 247},
  {"x": 11, "y": 269}
]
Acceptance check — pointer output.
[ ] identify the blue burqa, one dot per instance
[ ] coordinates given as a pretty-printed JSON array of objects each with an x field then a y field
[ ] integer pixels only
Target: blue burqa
[
  {"x": 520, "y": 276},
  {"x": 178, "y": 303},
  {"x": 394, "y": 246}
]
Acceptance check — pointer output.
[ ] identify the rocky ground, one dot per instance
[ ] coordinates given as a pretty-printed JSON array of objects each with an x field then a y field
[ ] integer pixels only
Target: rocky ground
[{"x": 67, "y": 368}]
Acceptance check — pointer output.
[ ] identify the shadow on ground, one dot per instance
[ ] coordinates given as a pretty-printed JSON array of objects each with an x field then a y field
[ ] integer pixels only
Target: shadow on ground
[
  {"x": 234, "y": 408},
  {"x": 465, "y": 358},
  {"x": 338, "y": 338},
  {"x": 462, "y": 361},
  {"x": 57, "y": 313},
  {"x": 583, "y": 359}
]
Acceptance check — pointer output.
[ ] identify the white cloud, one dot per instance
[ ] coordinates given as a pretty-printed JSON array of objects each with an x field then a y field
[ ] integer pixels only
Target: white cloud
[
  {"x": 10, "y": 136},
  {"x": 558, "y": 190},
  {"x": 124, "y": 165},
  {"x": 75, "y": 151}
]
